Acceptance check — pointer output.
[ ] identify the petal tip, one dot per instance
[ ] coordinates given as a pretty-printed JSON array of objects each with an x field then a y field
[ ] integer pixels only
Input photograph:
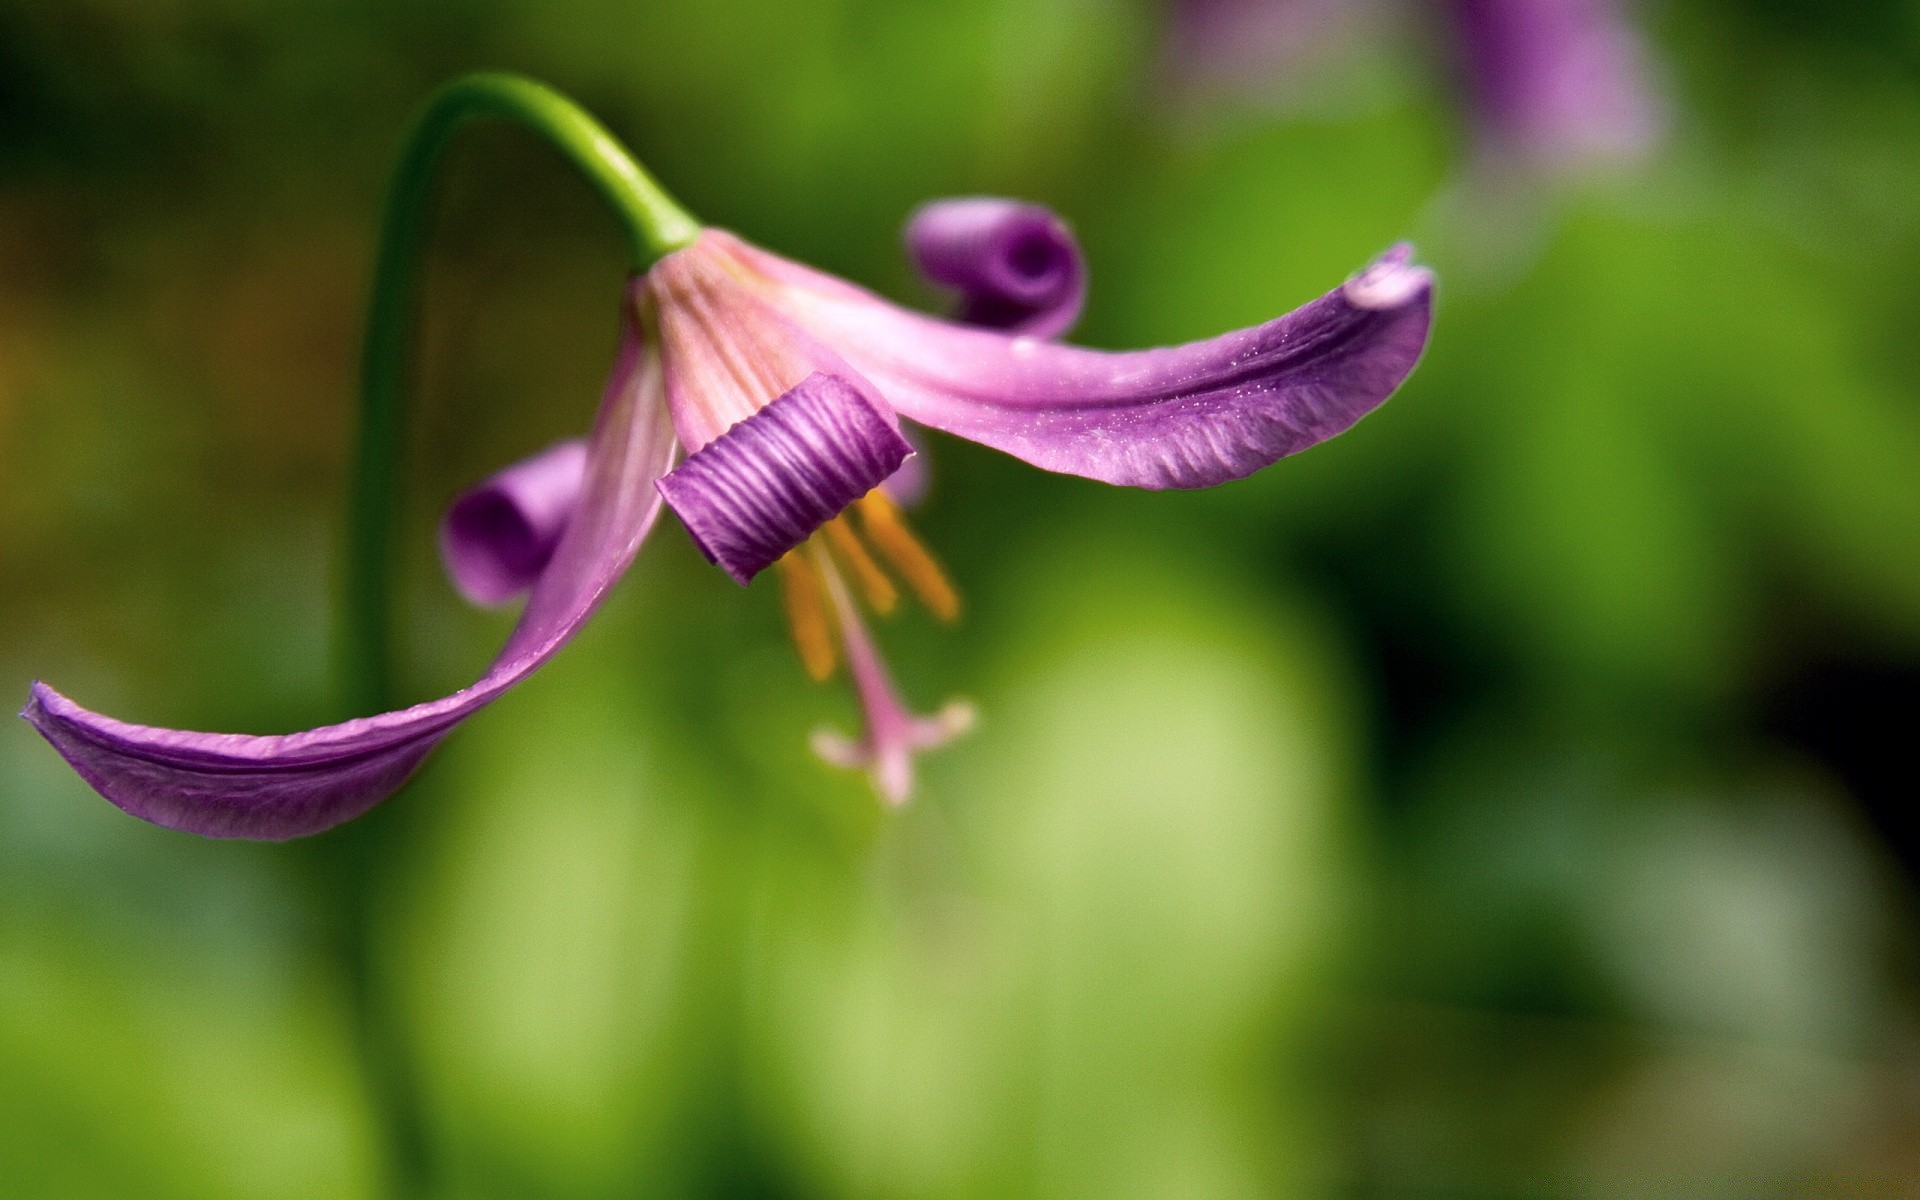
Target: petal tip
[
  {"x": 498, "y": 536},
  {"x": 1391, "y": 281},
  {"x": 1015, "y": 265},
  {"x": 44, "y": 706}
]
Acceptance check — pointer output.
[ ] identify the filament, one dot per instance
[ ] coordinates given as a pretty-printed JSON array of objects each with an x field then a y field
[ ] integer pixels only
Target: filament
[
  {"x": 878, "y": 590},
  {"x": 805, "y": 598}
]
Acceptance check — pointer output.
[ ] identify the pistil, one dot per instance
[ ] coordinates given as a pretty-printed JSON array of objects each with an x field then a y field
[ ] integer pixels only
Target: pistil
[
  {"x": 893, "y": 734},
  {"x": 823, "y": 615}
]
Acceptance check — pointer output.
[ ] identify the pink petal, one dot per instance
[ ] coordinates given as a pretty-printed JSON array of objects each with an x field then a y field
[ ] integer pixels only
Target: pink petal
[{"x": 288, "y": 785}]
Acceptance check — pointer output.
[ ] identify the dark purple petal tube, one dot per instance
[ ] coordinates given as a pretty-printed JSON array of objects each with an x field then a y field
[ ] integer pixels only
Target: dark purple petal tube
[
  {"x": 1185, "y": 417},
  {"x": 762, "y": 487},
  {"x": 500, "y": 534},
  {"x": 1016, "y": 266},
  {"x": 235, "y": 785}
]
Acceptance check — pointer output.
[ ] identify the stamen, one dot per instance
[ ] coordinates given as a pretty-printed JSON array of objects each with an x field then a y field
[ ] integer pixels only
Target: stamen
[
  {"x": 807, "y": 618},
  {"x": 887, "y": 530},
  {"x": 881, "y": 595}
]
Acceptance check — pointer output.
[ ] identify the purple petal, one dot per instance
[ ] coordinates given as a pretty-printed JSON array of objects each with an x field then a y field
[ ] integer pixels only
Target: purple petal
[
  {"x": 1185, "y": 417},
  {"x": 725, "y": 350},
  {"x": 500, "y": 534},
  {"x": 234, "y": 785},
  {"x": 1265, "y": 48},
  {"x": 1556, "y": 82},
  {"x": 1016, "y": 266},
  {"x": 761, "y": 488},
  {"x": 913, "y": 479}
]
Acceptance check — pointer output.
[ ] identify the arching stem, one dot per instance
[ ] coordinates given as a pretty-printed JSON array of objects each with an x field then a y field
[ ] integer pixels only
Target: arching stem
[
  {"x": 655, "y": 226},
  {"x": 351, "y": 860}
]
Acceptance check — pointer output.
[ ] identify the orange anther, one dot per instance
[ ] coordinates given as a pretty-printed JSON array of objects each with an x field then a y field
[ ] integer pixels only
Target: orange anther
[
  {"x": 887, "y": 530},
  {"x": 880, "y": 594},
  {"x": 805, "y": 598}
]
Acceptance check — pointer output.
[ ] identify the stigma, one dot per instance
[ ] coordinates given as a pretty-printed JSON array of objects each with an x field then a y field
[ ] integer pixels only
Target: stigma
[{"x": 865, "y": 558}]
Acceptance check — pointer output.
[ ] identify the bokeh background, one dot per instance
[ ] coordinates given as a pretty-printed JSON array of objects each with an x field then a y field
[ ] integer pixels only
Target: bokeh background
[{"x": 1512, "y": 798}]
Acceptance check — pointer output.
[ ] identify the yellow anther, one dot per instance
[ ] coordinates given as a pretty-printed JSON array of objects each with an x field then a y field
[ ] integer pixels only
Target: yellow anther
[
  {"x": 805, "y": 597},
  {"x": 887, "y": 530},
  {"x": 880, "y": 594}
]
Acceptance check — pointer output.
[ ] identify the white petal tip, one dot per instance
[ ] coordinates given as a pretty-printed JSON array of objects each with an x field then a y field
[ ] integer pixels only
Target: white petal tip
[
  {"x": 955, "y": 718},
  {"x": 838, "y": 750},
  {"x": 1388, "y": 283}
]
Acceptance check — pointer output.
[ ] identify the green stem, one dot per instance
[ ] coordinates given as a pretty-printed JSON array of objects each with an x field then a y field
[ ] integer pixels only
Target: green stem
[
  {"x": 352, "y": 858},
  {"x": 655, "y": 226}
]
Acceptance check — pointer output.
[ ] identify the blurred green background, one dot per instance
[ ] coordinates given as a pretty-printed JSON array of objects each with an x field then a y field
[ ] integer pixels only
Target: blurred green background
[{"x": 1512, "y": 798}]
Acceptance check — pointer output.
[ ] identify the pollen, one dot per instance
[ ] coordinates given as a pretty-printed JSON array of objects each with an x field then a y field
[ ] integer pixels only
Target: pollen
[
  {"x": 875, "y": 587},
  {"x": 884, "y": 526},
  {"x": 805, "y": 597}
]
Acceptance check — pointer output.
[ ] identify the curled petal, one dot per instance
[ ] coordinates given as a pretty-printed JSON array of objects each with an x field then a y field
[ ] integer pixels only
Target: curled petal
[
  {"x": 761, "y": 488},
  {"x": 235, "y": 785},
  {"x": 1185, "y": 417},
  {"x": 500, "y": 534},
  {"x": 1016, "y": 266}
]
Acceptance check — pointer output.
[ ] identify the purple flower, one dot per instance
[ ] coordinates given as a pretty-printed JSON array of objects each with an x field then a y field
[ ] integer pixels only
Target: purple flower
[
  {"x": 1556, "y": 84},
  {"x": 1549, "y": 84},
  {"x": 784, "y": 389},
  {"x": 1258, "y": 48}
]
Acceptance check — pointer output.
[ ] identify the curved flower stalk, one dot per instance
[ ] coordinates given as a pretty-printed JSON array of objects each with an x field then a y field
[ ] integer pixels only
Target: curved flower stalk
[{"x": 780, "y": 391}]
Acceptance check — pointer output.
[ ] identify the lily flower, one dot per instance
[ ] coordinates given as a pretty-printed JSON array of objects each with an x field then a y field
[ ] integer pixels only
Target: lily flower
[{"x": 762, "y": 401}]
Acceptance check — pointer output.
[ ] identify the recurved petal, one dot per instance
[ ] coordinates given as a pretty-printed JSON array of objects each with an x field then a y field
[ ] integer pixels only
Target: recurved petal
[
  {"x": 500, "y": 534},
  {"x": 273, "y": 787},
  {"x": 1183, "y": 417},
  {"x": 1016, "y": 266},
  {"x": 761, "y": 488}
]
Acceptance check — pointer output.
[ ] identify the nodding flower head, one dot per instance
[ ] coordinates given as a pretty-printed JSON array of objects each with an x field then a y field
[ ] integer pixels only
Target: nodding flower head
[{"x": 768, "y": 405}]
